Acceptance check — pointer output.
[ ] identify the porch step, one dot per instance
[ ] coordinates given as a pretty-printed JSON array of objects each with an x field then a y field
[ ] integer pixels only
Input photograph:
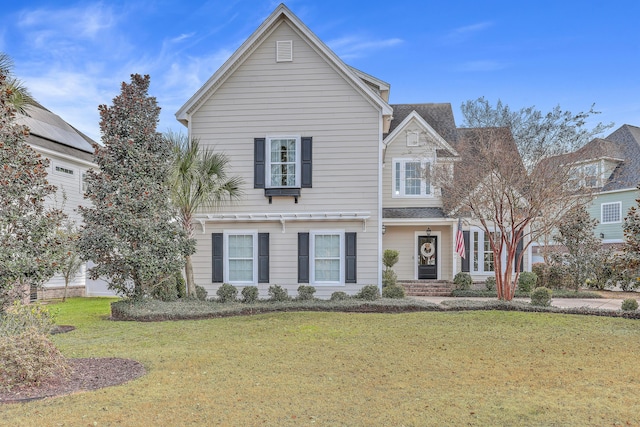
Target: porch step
[{"x": 426, "y": 288}]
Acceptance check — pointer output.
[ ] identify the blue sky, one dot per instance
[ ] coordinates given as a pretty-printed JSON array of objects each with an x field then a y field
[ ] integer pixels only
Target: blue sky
[{"x": 73, "y": 56}]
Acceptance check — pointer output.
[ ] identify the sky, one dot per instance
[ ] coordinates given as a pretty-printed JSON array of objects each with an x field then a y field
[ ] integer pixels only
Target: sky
[{"x": 73, "y": 56}]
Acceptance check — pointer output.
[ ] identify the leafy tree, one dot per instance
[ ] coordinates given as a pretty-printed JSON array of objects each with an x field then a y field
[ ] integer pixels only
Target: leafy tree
[
  {"x": 70, "y": 261},
  {"x": 130, "y": 230},
  {"x": 27, "y": 228},
  {"x": 581, "y": 253},
  {"x": 630, "y": 260},
  {"x": 389, "y": 258},
  {"x": 537, "y": 135},
  {"x": 198, "y": 181}
]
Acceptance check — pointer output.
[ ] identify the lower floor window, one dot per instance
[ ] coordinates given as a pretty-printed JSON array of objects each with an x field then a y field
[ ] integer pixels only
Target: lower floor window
[
  {"x": 241, "y": 256},
  {"x": 328, "y": 249},
  {"x": 483, "y": 258}
]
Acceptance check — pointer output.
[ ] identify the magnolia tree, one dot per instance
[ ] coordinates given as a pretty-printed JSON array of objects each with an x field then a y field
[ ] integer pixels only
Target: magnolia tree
[
  {"x": 28, "y": 238},
  {"x": 630, "y": 259},
  {"x": 131, "y": 232}
]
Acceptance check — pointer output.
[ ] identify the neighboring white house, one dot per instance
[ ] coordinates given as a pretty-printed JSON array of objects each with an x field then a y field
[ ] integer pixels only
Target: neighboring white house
[
  {"x": 70, "y": 154},
  {"x": 333, "y": 173}
]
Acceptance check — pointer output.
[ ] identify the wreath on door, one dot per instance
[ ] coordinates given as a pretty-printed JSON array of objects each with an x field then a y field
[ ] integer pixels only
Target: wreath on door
[{"x": 427, "y": 250}]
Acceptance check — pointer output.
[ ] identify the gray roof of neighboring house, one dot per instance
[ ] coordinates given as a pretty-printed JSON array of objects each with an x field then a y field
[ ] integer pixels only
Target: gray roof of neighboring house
[
  {"x": 438, "y": 115},
  {"x": 50, "y": 131},
  {"x": 626, "y": 140},
  {"x": 412, "y": 213}
]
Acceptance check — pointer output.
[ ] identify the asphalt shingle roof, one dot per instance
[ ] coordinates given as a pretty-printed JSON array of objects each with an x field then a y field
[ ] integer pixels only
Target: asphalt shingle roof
[
  {"x": 412, "y": 213},
  {"x": 626, "y": 141},
  {"x": 438, "y": 115}
]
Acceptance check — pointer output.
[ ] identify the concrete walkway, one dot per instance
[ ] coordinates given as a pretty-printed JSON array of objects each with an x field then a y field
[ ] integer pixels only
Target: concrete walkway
[{"x": 602, "y": 303}]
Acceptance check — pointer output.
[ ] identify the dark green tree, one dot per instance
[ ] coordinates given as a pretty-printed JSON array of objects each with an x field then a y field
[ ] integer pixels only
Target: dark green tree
[
  {"x": 630, "y": 259},
  {"x": 131, "y": 230}
]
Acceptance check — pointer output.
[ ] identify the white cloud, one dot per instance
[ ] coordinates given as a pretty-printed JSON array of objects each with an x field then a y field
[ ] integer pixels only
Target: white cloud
[
  {"x": 460, "y": 34},
  {"x": 350, "y": 47}
]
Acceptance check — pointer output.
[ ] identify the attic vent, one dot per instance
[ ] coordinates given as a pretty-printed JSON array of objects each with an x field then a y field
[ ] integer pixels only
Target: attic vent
[
  {"x": 284, "y": 50},
  {"x": 412, "y": 139}
]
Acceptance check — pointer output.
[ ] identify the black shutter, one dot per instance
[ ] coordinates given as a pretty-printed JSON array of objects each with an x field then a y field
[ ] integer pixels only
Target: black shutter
[
  {"x": 259, "y": 159},
  {"x": 350, "y": 257},
  {"x": 303, "y": 257},
  {"x": 518, "y": 254},
  {"x": 306, "y": 156},
  {"x": 466, "y": 262},
  {"x": 263, "y": 257},
  {"x": 217, "y": 266}
]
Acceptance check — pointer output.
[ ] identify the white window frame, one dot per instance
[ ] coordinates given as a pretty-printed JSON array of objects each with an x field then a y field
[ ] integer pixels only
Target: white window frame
[
  {"x": 398, "y": 178},
  {"x": 63, "y": 170},
  {"x": 83, "y": 181},
  {"x": 298, "y": 160},
  {"x": 312, "y": 256},
  {"x": 226, "y": 252},
  {"x": 602, "y": 214},
  {"x": 479, "y": 258}
]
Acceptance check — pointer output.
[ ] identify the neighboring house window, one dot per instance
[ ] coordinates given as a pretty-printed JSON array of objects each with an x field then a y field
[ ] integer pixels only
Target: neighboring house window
[
  {"x": 611, "y": 212},
  {"x": 240, "y": 257},
  {"x": 63, "y": 170},
  {"x": 327, "y": 257},
  {"x": 587, "y": 175},
  {"x": 591, "y": 175},
  {"x": 411, "y": 178},
  {"x": 83, "y": 182},
  {"x": 283, "y": 162}
]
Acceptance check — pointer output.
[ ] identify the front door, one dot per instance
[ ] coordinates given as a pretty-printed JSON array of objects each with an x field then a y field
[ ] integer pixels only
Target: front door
[{"x": 427, "y": 257}]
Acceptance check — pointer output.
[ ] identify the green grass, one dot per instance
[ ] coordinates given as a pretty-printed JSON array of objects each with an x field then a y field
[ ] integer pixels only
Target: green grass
[{"x": 479, "y": 368}]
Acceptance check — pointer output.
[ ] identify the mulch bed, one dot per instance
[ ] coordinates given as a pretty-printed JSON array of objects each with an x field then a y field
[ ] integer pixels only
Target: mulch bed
[{"x": 86, "y": 374}]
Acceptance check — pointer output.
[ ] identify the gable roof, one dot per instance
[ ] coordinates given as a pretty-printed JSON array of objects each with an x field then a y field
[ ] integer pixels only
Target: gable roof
[
  {"x": 438, "y": 115},
  {"x": 280, "y": 14},
  {"x": 51, "y": 132}
]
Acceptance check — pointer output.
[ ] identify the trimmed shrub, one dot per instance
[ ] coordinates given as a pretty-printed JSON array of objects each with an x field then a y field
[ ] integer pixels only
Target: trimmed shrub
[
  {"x": 278, "y": 293},
  {"x": 369, "y": 293},
  {"x": 390, "y": 257},
  {"x": 250, "y": 294},
  {"x": 463, "y": 281},
  {"x": 389, "y": 278},
  {"x": 557, "y": 277},
  {"x": 20, "y": 317},
  {"x": 629, "y": 304},
  {"x": 490, "y": 283},
  {"x": 227, "y": 293},
  {"x": 541, "y": 297},
  {"x": 305, "y": 292},
  {"x": 393, "y": 291},
  {"x": 29, "y": 358},
  {"x": 166, "y": 290},
  {"x": 339, "y": 296},
  {"x": 527, "y": 281},
  {"x": 201, "y": 293},
  {"x": 541, "y": 270}
]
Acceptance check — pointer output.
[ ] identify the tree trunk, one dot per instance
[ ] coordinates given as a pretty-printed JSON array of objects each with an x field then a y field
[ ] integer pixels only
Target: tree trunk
[
  {"x": 188, "y": 270},
  {"x": 66, "y": 286}
]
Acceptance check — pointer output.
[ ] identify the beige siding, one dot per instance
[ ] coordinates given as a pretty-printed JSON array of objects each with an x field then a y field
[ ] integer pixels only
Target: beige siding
[
  {"x": 404, "y": 240},
  {"x": 69, "y": 194},
  {"x": 397, "y": 149},
  {"x": 306, "y": 98}
]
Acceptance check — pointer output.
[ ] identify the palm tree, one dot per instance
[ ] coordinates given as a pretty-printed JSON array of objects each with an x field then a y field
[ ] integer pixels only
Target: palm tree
[
  {"x": 19, "y": 95},
  {"x": 198, "y": 181}
]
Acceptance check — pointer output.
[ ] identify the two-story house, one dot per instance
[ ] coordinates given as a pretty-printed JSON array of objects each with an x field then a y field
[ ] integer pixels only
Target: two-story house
[{"x": 333, "y": 173}]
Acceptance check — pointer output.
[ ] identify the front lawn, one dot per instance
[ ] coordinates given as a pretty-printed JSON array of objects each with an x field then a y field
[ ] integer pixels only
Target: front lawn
[{"x": 415, "y": 369}]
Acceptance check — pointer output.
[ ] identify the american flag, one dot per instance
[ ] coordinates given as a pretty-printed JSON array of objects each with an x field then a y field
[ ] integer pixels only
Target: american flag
[{"x": 460, "y": 240}]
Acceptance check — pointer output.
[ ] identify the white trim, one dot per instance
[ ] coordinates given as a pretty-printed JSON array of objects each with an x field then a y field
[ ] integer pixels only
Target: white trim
[
  {"x": 298, "y": 160},
  {"x": 427, "y": 128},
  {"x": 312, "y": 258},
  {"x": 602, "y": 213},
  {"x": 48, "y": 153},
  {"x": 622, "y": 190},
  {"x": 225, "y": 255},
  {"x": 423, "y": 182}
]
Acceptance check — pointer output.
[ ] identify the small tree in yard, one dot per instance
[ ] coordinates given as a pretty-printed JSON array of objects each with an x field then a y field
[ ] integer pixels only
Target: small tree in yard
[
  {"x": 198, "y": 180},
  {"x": 389, "y": 259},
  {"x": 28, "y": 236},
  {"x": 583, "y": 253},
  {"x": 131, "y": 232},
  {"x": 629, "y": 263},
  {"x": 70, "y": 261},
  {"x": 510, "y": 197}
]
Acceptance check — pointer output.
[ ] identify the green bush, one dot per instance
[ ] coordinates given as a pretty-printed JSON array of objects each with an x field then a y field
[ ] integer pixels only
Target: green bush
[
  {"x": 527, "y": 281},
  {"x": 393, "y": 291},
  {"x": 227, "y": 293},
  {"x": 629, "y": 304},
  {"x": 181, "y": 286},
  {"x": 29, "y": 358},
  {"x": 339, "y": 296},
  {"x": 201, "y": 293},
  {"x": 166, "y": 290},
  {"x": 490, "y": 283},
  {"x": 541, "y": 271},
  {"x": 541, "y": 297},
  {"x": 557, "y": 277},
  {"x": 278, "y": 293},
  {"x": 463, "y": 281},
  {"x": 20, "y": 317},
  {"x": 305, "y": 292},
  {"x": 250, "y": 294},
  {"x": 369, "y": 293},
  {"x": 390, "y": 257},
  {"x": 389, "y": 278}
]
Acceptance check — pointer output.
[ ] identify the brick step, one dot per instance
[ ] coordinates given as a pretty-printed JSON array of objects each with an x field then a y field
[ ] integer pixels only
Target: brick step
[{"x": 423, "y": 288}]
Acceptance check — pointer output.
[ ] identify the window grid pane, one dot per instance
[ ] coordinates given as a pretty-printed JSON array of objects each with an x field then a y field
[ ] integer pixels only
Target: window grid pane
[
  {"x": 241, "y": 258},
  {"x": 327, "y": 258},
  {"x": 412, "y": 178},
  {"x": 283, "y": 162},
  {"x": 611, "y": 212}
]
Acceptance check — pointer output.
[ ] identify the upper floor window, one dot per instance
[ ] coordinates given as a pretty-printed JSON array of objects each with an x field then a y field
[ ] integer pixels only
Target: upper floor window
[
  {"x": 610, "y": 212},
  {"x": 283, "y": 166},
  {"x": 63, "y": 170},
  {"x": 587, "y": 175},
  {"x": 411, "y": 178}
]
